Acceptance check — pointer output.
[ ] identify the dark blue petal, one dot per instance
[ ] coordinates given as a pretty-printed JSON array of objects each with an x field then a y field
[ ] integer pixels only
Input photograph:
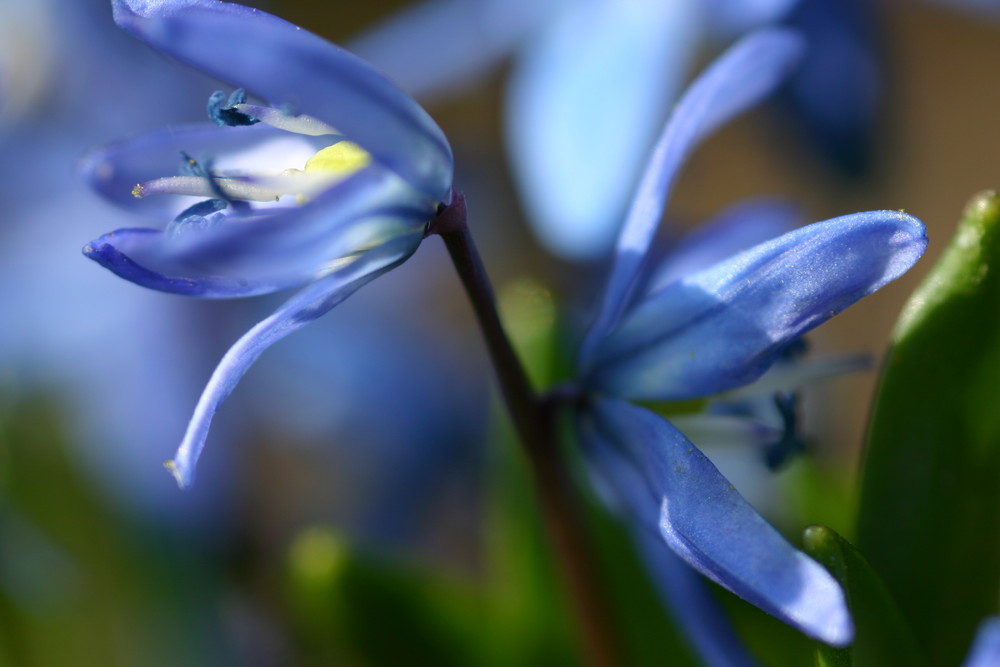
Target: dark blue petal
[
  {"x": 834, "y": 98},
  {"x": 295, "y": 69},
  {"x": 705, "y": 520},
  {"x": 723, "y": 327},
  {"x": 986, "y": 649},
  {"x": 309, "y": 304},
  {"x": 681, "y": 589},
  {"x": 244, "y": 256},
  {"x": 738, "y": 79},
  {"x": 584, "y": 102},
  {"x": 115, "y": 251},
  {"x": 694, "y": 608}
]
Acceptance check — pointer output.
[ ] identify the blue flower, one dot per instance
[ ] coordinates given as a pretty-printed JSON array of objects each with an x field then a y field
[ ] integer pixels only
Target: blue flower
[
  {"x": 328, "y": 185},
  {"x": 664, "y": 336}
]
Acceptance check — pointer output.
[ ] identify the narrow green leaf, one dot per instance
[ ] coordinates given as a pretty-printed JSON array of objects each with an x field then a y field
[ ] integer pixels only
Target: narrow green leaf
[
  {"x": 882, "y": 638},
  {"x": 929, "y": 518}
]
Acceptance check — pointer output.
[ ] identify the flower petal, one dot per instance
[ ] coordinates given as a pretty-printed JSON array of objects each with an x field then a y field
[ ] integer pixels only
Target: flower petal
[
  {"x": 680, "y": 588},
  {"x": 737, "y": 228},
  {"x": 694, "y": 608},
  {"x": 480, "y": 34},
  {"x": 245, "y": 256},
  {"x": 297, "y": 70},
  {"x": 300, "y": 310},
  {"x": 723, "y": 327},
  {"x": 583, "y": 105},
  {"x": 740, "y": 78},
  {"x": 708, "y": 524}
]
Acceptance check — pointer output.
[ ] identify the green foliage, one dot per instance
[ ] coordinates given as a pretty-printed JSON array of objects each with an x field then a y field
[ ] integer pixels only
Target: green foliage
[
  {"x": 929, "y": 519},
  {"x": 881, "y": 638}
]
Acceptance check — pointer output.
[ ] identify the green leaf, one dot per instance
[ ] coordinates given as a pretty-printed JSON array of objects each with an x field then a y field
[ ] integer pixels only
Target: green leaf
[
  {"x": 929, "y": 517},
  {"x": 882, "y": 638},
  {"x": 353, "y": 607}
]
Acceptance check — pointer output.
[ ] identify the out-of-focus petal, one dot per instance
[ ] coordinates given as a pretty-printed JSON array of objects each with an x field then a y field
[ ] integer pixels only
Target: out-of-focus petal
[
  {"x": 834, "y": 97},
  {"x": 735, "y": 17},
  {"x": 986, "y": 649},
  {"x": 301, "y": 72},
  {"x": 583, "y": 104},
  {"x": 738, "y": 228},
  {"x": 710, "y": 526},
  {"x": 246, "y": 256},
  {"x": 694, "y": 608},
  {"x": 738, "y": 79},
  {"x": 723, "y": 327},
  {"x": 300, "y": 310},
  {"x": 477, "y": 36}
]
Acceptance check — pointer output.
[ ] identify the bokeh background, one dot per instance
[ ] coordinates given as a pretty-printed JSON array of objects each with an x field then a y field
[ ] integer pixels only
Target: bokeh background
[{"x": 373, "y": 438}]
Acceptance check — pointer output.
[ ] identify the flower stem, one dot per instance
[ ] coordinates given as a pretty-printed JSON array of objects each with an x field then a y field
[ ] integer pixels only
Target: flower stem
[{"x": 534, "y": 421}]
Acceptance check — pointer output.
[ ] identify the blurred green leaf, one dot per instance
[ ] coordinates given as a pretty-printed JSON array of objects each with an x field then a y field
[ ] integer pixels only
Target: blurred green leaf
[
  {"x": 881, "y": 638},
  {"x": 92, "y": 586},
  {"x": 358, "y": 608},
  {"x": 929, "y": 518}
]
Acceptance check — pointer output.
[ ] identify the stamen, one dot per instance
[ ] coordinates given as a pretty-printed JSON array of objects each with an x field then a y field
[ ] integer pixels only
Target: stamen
[
  {"x": 298, "y": 124},
  {"x": 225, "y": 113},
  {"x": 193, "y": 186}
]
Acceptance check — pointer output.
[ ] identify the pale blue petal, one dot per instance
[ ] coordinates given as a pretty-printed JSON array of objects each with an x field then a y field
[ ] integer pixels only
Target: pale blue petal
[
  {"x": 477, "y": 36},
  {"x": 246, "y": 256},
  {"x": 723, "y": 327},
  {"x": 312, "y": 302},
  {"x": 583, "y": 104},
  {"x": 295, "y": 69},
  {"x": 738, "y": 79},
  {"x": 709, "y": 525},
  {"x": 986, "y": 649},
  {"x": 738, "y": 228}
]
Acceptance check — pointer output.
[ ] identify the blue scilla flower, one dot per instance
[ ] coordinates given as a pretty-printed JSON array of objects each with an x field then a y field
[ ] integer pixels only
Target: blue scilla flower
[
  {"x": 328, "y": 185},
  {"x": 660, "y": 336}
]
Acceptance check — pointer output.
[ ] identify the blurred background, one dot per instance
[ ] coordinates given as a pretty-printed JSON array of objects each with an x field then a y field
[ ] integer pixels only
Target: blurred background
[{"x": 358, "y": 483}]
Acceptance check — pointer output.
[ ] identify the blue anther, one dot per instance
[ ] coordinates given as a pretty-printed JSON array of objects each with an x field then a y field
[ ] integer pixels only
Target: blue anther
[
  {"x": 791, "y": 443},
  {"x": 202, "y": 215},
  {"x": 222, "y": 111}
]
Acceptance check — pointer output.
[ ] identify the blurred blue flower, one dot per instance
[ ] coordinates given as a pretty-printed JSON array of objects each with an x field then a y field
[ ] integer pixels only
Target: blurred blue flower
[
  {"x": 664, "y": 336},
  {"x": 985, "y": 650},
  {"x": 58, "y": 62},
  {"x": 283, "y": 198},
  {"x": 592, "y": 81}
]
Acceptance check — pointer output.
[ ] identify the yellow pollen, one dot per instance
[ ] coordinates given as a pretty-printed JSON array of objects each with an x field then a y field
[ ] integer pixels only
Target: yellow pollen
[
  {"x": 138, "y": 191},
  {"x": 343, "y": 159}
]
